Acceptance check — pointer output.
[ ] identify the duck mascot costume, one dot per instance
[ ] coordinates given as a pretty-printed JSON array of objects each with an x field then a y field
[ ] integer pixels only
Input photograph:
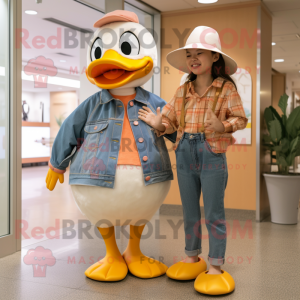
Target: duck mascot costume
[{"x": 120, "y": 171}]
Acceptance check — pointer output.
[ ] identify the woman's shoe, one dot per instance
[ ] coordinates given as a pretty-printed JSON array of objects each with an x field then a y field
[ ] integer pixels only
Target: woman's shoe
[
  {"x": 186, "y": 271},
  {"x": 214, "y": 284}
]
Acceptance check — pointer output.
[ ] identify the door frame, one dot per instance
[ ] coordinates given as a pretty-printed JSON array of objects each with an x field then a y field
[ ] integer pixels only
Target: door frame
[{"x": 10, "y": 243}]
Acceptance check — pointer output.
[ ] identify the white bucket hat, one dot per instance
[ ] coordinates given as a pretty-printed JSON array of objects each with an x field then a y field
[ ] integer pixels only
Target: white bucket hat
[{"x": 202, "y": 37}]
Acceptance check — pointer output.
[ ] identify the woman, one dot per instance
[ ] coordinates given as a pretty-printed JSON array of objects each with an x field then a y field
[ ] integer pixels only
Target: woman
[{"x": 205, "y": 111}]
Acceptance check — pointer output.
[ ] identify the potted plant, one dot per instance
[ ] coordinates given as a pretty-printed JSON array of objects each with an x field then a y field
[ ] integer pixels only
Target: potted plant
[
  {"x": 60, "y": 119},
  {"x": 284, "y": 139}
]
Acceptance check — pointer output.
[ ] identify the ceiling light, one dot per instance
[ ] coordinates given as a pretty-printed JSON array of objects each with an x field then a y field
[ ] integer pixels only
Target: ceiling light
[
  {"x": 279, "y": 60},
  {"x": 30, "y": 12},
  {"x": 273, "y": 44},
  {"x": 56, "y": 80},
  {"x": 62, "y": 60},
  {"x": 207, "y": 1}
]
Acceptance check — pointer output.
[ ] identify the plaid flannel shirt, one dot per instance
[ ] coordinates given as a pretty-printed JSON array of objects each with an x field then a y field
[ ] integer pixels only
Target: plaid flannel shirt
[{"x": 229, "y": 110}]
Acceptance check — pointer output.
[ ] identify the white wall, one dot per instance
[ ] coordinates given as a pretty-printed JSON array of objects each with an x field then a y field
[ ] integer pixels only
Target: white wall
[{"x": 292, "y": 84}]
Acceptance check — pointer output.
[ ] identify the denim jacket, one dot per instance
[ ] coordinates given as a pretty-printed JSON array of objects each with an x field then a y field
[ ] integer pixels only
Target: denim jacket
[{"x": 90, "y": 138}]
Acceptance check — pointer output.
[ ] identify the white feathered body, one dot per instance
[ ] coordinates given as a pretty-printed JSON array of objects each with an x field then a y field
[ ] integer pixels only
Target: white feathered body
[{"x": 129, "y": 202}]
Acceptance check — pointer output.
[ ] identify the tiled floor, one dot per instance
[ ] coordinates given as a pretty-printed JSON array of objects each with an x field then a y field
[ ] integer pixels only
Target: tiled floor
[
  {"x": 40, "y": 207},
  {"x": 263, "y": 260}
]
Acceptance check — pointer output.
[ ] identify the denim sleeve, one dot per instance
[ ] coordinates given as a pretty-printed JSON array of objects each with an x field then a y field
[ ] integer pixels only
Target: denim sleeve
[
  {"x": 161, "y": 103},
  {"x": 68, "y": 136}
]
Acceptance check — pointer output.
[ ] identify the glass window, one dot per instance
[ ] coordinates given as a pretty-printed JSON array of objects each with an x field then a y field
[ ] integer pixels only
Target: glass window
[{"x": 4, "y": 119}]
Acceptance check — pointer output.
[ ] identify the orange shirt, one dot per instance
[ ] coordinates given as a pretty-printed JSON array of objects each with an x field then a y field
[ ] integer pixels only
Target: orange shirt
[{"x": 128, "y": 153}]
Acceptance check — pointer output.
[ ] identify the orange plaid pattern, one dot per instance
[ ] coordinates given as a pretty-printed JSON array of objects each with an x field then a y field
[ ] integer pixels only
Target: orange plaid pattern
[{"x": 229, "y": 110}]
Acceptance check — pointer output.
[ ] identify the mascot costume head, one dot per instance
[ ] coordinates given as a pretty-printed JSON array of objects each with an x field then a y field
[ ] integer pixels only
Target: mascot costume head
[{"x": 122, "y": 52}]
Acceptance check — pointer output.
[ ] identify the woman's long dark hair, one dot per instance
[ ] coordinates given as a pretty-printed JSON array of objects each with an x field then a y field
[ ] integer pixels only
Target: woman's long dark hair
[{"x": 217, "y": 70}]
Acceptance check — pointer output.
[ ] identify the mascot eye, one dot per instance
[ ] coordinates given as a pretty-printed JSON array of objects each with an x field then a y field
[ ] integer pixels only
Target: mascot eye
[
  {"x": 97, "y": 49},
  {"x": 129, "y": 44}
]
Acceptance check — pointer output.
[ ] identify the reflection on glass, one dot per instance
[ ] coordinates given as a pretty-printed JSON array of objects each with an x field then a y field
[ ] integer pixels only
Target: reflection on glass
[{"x": 4, "y": 121}]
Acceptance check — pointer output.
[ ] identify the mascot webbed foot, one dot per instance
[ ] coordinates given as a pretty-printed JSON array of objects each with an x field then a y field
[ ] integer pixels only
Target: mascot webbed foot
[
  {"x": 108, "y": 269},
  {"x": 138, "y": 264},
  {"x": 112, "y": 267},
  {"x": 143, "y": 266},
  {"x": 186, "y": 271},
  {"x": 214, "y": 284}
]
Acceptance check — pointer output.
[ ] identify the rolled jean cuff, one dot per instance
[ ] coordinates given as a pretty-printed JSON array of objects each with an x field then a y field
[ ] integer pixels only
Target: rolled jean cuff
[
  {"x": 193, "y": 252},
  {"x": 216, "y": 261}
]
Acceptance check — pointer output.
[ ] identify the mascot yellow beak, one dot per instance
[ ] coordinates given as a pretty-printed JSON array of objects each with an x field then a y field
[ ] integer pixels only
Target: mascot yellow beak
[{"x": 113, "y": 70}]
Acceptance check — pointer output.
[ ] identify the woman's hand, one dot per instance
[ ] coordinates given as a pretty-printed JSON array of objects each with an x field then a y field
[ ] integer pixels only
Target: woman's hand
[
  {"x": 212, "y": 122},
  {"x": 150, "y": 118}
]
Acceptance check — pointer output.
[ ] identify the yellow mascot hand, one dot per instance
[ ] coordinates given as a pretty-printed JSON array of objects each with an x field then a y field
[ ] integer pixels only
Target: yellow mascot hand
[{"x": 52, "y": 178}]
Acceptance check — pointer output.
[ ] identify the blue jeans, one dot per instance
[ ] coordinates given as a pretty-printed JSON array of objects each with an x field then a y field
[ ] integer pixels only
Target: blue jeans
[{"x": 200, "y": 168}]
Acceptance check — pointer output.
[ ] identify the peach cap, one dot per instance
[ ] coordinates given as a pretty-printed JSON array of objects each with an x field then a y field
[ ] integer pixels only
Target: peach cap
[{"x": 117, "y": 16}]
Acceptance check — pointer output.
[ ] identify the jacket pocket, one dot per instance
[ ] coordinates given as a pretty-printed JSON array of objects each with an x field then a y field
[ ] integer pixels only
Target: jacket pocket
[
  {"x": 95, "y": 127},
  {"x": 95, "y": 137}
]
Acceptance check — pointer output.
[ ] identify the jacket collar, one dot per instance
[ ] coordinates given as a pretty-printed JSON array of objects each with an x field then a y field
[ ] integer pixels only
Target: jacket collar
[
  {"x": 141, "y": 95},
  {"x": 216, "y": 83}
]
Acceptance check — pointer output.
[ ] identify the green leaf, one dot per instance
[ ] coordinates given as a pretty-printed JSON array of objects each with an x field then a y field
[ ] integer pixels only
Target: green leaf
[
  {"x": 278, "y": 148},
  {"x": 57, "y": 121},
  {"x": 268, "y": 115},
  {"x": 60, "y": 119},
  {"x": 275, "y": 131},
  {"x": 283, "y": 102},
  {"x": 267, "y": 138},
  {"x": 290, "y": 159},
  {"x": 281, "y": 161},
  {"x": 284, "y": 120},
  {"x": 285, "y": 145},
  {"x": 276, "y": 116},
  {"x": 269, "y": 146},
  {"x": 297, "y": 153},
  {"x": 293, "y": 123},
  {"x": 295, "y": 145}
]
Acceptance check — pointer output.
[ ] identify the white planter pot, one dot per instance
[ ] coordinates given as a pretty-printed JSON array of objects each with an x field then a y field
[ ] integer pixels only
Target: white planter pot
[{"x": 284, "y": 195}]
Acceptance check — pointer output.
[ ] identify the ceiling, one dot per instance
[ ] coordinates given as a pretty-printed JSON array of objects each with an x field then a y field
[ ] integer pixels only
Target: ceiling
[
  {"x": 285, "y": 19},
  {"x": 169, "y": 5},
  {"x": 70, "y": 12}
]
